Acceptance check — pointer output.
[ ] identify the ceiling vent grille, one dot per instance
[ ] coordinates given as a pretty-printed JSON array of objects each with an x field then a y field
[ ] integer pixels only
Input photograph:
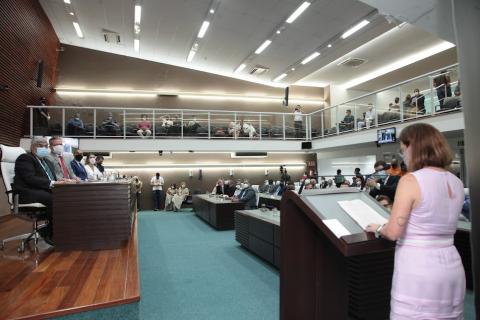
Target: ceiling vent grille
[
  {"x": 352, "y": 62},
  {"x": 111, "y": 37},
  {"x": 258, "y": 70}
]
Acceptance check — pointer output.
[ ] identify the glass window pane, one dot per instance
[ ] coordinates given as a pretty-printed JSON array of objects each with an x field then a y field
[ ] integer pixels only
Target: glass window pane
[
  {"x": 139, "y": 123},
  {"x": 79, "y": 122},
  {"x": 109, "y": 123},
  {"x": 47, "y": 121}
]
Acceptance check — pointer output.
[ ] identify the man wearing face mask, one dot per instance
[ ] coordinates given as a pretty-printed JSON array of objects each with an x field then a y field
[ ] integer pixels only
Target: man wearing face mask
[
  {"x": 34, "y": 179},
  {"x": 77, "y": 166},
  {"x": 59, "y": 160},
  {"x": 247, "y": 196},
  {"x": 386, "y": 186}
]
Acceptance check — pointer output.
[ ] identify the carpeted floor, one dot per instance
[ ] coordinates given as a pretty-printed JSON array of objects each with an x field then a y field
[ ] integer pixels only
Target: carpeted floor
[{"x": 189, "y": 270}]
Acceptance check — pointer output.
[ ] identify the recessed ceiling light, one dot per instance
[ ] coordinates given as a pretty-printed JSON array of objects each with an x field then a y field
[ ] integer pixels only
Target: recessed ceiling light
[
  {"x": 329, "y": 45},
  {"x": 293, "y": 69},
  {"x": 310, "y": 57},
  {"x": 240, "y": 68},
  {"x": 71, "y": 13},
  {"x": 66, "y": 1},
  {"x": 263, "y": 46},
  {"x": 355, "y": 28},
  {"x": 280, "y": 77},
  {"x": 191, "y": 54},
  {"x": 138, "y": 14},
  {"x": 278, "y": 31},
  {"x": 136, "y": 44},
  {"x": 203, "y": 29},
  {"x": 212, "y": 11},
  {"x": 77, "y": 29},
  {"x": 298, "y": 12}
]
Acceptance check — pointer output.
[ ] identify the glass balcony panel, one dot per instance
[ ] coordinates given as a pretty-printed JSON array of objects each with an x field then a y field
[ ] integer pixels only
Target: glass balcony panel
[
  {"x": 316, "y": 121},
  {"x": 272, "y": 126},
  {"x": 195, "y": 125},
  {"x": 330, "y": 121},
  {"x": 138, "y": 123},
  {"x": 168, "y": 123},
  {"x": 387, "y": 106},
  {"x": 109, "y": 123},
  {"x": 413, "y": 101},
  {"x": 47, "y": 121},
  {"x": 294, "y": 128},
  {"x": 79, "y": 122},
  {"x": 249, "y": 125},
  {"x": 346, "y": 117},
  {"x": 447, "y": 90},
  {"x": 223, "y": 125}
]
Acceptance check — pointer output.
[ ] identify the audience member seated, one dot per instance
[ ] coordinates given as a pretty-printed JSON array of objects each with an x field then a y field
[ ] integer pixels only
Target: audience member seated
[
  {"x": 249, "y": 130},
  {"x": 339, "y": 178},
  {"x": 219, "y": 187},
  {"x": 418, "y": 102},
  {"x": 348, "y": 121},
  {"x": 78, "y": 167},
  {"x": 93, "y": 174},
  {"x": 278, "y": 189},
  {"x": 234, "y": 129},
  {"x": 379, "y": 186},
  {"x": 323, "y": 183},
  {"x": 247, "y": 196},
  {"x": 264, "y": 187},
  {"x": 238, "y": 189},
  {"x": 171, "y": 191},
  {"x": 385, "y": 202},
  {"x": 369, "y": 118},
  {"x": 330, "y": 184},
  {"x": 166, "y": 122},
  {"x": 34, "y": 179},
  {"x": 180, "y": 196},
  {"x": 110, "y": 126},
  {"x": 396, "y": 106},
  {"x": 75, "y": 126},
  {"x": 452, "y": 102},
  {"x": 359, "y": 177},
  {"x": 395, "y": 169},
  {"x": 59, "y": 160},
  {"x": 144, "y": 127},
  {"x": 228, "y": 188}
]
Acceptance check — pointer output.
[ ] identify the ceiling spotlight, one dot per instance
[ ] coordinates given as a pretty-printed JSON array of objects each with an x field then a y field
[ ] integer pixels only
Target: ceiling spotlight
[
  {"x": 280, "y": 77},
  {"x": 278, "y": 31},
  {"x": 72, "y": 14},
  {"x": 355, "y": 28},
  {"x": 263, "y": 46},
  {"x": 293, "y": 69},
  {"x": 212, "y": 11},
  {"x": 329, "y": 45}
]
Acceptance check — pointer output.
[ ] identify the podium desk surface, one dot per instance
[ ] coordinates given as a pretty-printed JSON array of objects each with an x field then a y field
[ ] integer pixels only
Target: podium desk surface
[
  {"x": 213, "y": 198},
  {"x": 269, "y": 196},
  {"x": 269, "y": 216}
]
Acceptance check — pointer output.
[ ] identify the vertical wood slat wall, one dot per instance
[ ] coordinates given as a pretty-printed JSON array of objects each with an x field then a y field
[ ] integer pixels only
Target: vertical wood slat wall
[{"x": 26, "y": 36}]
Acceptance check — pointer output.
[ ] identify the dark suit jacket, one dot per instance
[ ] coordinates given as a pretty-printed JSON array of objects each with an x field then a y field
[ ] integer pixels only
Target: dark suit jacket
[
  {"x": 388, "y": 188},
  {"x": 29, "y": 174},
  {"x": 78, "y": 169},
  {"x": 249, "y": 197}
]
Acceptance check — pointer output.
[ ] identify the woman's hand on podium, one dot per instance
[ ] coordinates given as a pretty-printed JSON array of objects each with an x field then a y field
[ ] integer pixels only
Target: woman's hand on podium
[{"x": 372, "y": 227}]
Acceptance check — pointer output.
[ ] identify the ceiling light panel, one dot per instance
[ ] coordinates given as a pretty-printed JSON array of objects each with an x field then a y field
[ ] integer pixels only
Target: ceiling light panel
[
  {"x": 66, "y": 1},
  {"x": 203, "y": 29},
  {"x": 138, "y": 14},
  {"x": 263, "y": 46},
  {"x": 240, "y": 68},
  {"x": 78, "y": 30},
  {"x": 310, "y": 57},
  {"x": 280, "y": 77},
  {"x": 298, "y": 12},
  {"x": 191, "y": 54},
  {"x": 136, "y": 45},
  {"x": 355, "y": 28}
]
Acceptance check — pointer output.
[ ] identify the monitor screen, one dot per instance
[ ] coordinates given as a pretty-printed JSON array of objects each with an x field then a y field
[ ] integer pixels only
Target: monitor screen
[{"x": 387, "y": 135}]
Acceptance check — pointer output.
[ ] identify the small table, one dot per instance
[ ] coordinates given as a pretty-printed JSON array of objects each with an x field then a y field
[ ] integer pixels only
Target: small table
[
  {"x": 216, "y": 211},
  {"x": 259, "y": 232}
]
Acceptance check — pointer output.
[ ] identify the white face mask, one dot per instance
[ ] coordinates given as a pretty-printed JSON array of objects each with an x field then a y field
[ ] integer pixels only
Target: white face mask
[
  {"x": 57, "y": 149},
  {"x": 91, "y": 160},
  {"x": 238, "y": 187}
]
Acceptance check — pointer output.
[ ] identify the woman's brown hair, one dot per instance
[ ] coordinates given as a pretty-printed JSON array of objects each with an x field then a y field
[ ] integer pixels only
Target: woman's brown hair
[{"x": 429, "y": 148}]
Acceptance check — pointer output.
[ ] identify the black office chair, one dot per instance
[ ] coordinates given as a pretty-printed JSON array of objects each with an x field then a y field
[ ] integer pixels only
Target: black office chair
[{"x": 32, "y": 212}]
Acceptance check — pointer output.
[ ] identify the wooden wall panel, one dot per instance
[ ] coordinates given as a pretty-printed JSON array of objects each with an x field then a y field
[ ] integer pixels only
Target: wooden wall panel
[{"x": 26, "y": 36}]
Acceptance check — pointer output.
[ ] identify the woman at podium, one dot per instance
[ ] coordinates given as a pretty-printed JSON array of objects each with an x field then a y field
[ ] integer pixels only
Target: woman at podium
[{"x": 428, "y": 279}]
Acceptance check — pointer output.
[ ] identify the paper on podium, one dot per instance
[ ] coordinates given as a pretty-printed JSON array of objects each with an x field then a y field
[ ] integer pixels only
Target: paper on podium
[
  {"x": 336, "y": 227},
  {"x": 361, "y": 212}
]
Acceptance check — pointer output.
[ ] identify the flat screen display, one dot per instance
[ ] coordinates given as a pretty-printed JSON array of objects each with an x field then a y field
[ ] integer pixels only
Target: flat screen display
[{"x": 387, "y": 135}]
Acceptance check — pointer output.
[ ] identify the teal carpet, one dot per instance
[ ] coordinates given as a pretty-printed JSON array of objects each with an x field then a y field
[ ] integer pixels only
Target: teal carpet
[{"x": 189, "y": 271}]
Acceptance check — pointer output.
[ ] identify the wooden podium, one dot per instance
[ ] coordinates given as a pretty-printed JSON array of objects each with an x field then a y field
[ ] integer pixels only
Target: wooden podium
[{"x": 325, "y": 277}]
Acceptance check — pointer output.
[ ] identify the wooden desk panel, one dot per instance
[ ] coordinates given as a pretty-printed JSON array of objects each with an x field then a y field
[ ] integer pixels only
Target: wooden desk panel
[
  {"x": 92, "y": 216},
  {"x": 217, "y": 213}
]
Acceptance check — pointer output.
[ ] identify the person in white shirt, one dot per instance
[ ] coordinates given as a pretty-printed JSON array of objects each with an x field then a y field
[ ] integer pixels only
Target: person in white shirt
[
  {"x": 297, "y": 119},
  {"x": 157, "y": 187},
  {"x": 369, "y": 118},
  {"x": 93, "y": 174}
]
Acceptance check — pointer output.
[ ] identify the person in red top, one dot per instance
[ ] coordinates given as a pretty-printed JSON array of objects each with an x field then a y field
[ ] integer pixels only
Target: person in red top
[{"x": 144, "y": 127}]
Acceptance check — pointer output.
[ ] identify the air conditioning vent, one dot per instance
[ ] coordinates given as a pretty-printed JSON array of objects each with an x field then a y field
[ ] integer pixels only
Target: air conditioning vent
[
  {"x": 258, "y": 70},
  {"x": 111, "y": 36},
  {"x": 352, "y": 62},
  {"x": 249, "y": 155}
]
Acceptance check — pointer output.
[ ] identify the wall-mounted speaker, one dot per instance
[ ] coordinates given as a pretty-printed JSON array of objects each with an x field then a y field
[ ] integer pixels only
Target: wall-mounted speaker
[
  {"x": 307, "y": 145},
  {"x": 39, "y": 73}
]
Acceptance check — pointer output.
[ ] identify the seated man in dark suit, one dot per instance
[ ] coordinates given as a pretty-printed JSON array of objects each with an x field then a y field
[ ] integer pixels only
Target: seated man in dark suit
[
  {"x": 34, "y": 179},
  {"x": 387, "y": 188},
  {"x": 77, "y": 166},
  {"x": 247, "y": 196}
]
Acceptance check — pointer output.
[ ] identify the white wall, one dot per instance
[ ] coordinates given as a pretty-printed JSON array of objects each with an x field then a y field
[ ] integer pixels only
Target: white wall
[{"x": 328, "y": 167}]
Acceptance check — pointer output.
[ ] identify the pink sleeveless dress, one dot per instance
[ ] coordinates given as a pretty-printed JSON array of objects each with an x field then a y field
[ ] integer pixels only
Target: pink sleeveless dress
[{"x": 428, "y": 278}]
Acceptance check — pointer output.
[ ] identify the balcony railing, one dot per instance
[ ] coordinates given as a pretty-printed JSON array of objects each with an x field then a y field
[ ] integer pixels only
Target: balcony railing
[{"x": 438, "y": 93}]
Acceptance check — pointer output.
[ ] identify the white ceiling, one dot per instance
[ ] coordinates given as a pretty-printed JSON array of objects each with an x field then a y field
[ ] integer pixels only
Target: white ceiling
[{"x": 238, "y": 27}]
